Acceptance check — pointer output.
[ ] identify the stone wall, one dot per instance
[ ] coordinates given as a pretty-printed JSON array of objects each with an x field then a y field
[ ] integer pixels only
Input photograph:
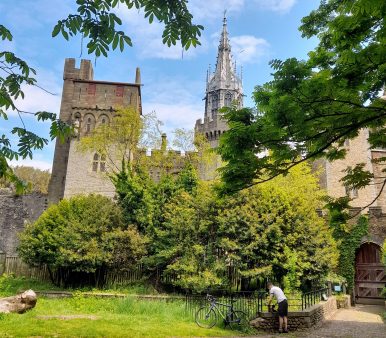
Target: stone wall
[
  {"x": 15, "y": 212},
  {"x": 299, "y": 320}
]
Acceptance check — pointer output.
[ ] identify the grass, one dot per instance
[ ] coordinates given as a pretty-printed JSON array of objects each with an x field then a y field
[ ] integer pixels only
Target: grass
[
  {"x": 111, "y": 317},
  {"x": 10, "y": 285},
  {"x": 125, "y": 317}
]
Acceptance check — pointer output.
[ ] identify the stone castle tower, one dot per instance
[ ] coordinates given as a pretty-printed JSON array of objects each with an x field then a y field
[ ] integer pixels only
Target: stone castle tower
[
  {"x": 86, "y": 103},
  {"x": 223, "y": 88}
]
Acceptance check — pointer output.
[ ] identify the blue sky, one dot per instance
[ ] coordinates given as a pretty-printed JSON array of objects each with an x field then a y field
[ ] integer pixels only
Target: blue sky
[{"x": 174, "y": 82}]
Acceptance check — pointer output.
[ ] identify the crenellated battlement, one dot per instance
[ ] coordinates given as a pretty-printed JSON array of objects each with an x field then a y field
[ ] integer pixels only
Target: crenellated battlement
[{"x": 84, "y": 72}]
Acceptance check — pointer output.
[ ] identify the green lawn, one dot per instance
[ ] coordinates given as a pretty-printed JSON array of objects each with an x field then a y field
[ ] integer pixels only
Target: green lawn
[
  {"x": 125, "y": 317},
  {"x": 111, "y": 317}
]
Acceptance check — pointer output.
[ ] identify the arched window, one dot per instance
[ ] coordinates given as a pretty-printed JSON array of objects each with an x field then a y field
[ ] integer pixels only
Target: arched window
[
  {"x": 89, "y": 123},
  {"x": 99, "y": 163},
  {"x": 228, "y": 99},
  {"x": 102, "y": 164},
  {"x": 103, "y": 119},
  {"x": 95, "y": 162}
]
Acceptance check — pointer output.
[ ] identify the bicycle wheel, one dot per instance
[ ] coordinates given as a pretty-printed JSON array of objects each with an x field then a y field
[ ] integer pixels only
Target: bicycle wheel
[
  {"x": 206, "y": 317},
  {"x": 238, "y": 320}
]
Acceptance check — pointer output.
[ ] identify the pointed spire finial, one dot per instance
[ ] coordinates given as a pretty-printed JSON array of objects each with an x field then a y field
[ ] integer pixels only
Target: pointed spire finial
[{"x": 225, "y": 17}]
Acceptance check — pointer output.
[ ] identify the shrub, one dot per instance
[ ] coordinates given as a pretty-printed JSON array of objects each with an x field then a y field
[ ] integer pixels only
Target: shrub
[{"x": 79, "y": 239}]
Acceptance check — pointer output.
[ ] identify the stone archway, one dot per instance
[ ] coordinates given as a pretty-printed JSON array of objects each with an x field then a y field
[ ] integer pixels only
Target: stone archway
[{"x": 370, "y": 274}]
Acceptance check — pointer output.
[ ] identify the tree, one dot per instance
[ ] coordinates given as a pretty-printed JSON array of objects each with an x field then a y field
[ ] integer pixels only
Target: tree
[
  {"x": 96, "y": 21},
  {"x": 79, "y": 239},
  {"x": 268, "y": 231},
  {"x": 14, "y": 73},
  {"x": 36, "y": 180},
  {"x": 311, "y": 107},
  {"x": 118, "y": 140}
]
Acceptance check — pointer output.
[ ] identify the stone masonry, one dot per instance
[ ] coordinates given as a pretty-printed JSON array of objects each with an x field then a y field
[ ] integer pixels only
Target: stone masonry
[
  {"x": 298, "y": 320},
  {"x": 16, "y": 211},
  {"x": 87, "y": 103}
]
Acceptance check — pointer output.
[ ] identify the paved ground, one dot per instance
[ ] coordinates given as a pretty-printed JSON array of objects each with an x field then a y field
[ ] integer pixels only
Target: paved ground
[{"x": 361, "y": 321}]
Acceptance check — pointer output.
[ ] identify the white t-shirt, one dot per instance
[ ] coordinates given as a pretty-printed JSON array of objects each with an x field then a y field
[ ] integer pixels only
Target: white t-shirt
[{"x": 278, "y": 293}]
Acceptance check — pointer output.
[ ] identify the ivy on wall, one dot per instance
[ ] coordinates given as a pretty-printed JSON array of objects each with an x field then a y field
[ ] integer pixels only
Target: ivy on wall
[{"x": 348, "y": 235}]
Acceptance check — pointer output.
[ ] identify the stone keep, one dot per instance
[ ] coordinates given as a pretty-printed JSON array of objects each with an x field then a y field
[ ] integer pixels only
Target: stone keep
[
  {"x": 223, "y": 88},
  {"x": 86, "y": 103}
]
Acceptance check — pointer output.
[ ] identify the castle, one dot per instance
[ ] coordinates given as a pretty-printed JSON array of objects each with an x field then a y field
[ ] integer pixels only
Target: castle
[
  {"x": 87, "y": 103},
  {"x": 223, "y": 88}
]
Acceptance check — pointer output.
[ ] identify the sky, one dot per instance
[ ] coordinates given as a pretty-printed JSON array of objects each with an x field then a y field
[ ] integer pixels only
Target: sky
[{"x": 173, "y": 80}]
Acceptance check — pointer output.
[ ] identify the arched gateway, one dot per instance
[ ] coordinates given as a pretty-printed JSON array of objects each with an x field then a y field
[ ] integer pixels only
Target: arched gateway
[{"x": 370, "y": 277}]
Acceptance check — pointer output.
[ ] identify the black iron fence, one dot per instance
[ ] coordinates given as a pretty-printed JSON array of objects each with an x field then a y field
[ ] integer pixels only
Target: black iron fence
[
  {"x": 244, "y": 301},
  {"x": 313, "y": 297},
  {"x": 254, "y": 303}
]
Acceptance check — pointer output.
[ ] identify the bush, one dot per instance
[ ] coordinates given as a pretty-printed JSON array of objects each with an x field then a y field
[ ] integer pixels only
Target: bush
[{"x": 79, "y": 239}]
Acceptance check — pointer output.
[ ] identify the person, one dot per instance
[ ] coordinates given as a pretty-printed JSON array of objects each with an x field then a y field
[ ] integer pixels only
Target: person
[{"x": 275, "y": 291}]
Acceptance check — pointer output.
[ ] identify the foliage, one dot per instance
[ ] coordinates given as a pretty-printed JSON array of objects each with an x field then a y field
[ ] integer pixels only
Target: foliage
[
  {"x": 151, "y": 131},
  {"x": 35, "y": 180},
  {"x": 15, "y": 73},
  {"x": 80, "y": 236},
  {"x": 184, "y": 139},
  {"x": 133, "y": 192},
  {"x": 184, "y": 241},
  {"x": 311, "y": 107},
  {"x": 11, "y": 285},
  {"x": 118, "y": 140},
  {"x": 265, "y": 231},
  {"x": 348, "y": 235},
  {"x": 273, "y": 231},
  {"x": 97, "y": 20}
]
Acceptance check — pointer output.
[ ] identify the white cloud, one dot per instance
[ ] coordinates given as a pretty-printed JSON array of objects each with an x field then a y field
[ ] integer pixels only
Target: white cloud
[
  {"x": 177, "y": 115},
  {"x": 177, "y": 102},
  {"x": 43, "y": 165},
  {"x": 38, "y": 99},
  {"x": 248, "y": 49},
  {"x": 148, "y": 38},
  {"x": 281, "y": 6}
]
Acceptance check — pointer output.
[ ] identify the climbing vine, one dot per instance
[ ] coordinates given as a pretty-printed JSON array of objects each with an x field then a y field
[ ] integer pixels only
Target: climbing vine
[{"x": 348, "y": 236}]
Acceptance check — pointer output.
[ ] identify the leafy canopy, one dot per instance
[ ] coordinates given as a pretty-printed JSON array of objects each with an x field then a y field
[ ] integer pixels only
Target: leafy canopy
[
  {"x": 311, "y": 107},
  {"x": 14, "y": 74},
  {"x": 97, "y": 20},
  {"x": 82, "y": 234},
  {"x": 271, "y": 230}
]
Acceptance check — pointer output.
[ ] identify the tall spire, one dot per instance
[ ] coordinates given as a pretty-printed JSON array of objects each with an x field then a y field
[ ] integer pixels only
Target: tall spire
[
  {"x": 223, "y": 88},
  {"x": 224, "y": 73},
  {"x": 224, "y": 41}
]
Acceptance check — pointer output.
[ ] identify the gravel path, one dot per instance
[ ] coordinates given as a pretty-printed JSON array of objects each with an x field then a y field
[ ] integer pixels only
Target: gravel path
[{"x": 361, "y": 321}]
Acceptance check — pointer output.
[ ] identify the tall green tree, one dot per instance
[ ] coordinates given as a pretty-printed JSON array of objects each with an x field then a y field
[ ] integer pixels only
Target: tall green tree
[
  {"x": 79, "y": 239},
  {"x": 312, "y": 106},
  {"x": 117, "y": 140},
  {"x": 268, "y": 231}
]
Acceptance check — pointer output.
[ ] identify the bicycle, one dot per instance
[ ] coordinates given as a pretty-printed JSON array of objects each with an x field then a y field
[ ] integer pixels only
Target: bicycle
[{"x": 207, "y": 315}]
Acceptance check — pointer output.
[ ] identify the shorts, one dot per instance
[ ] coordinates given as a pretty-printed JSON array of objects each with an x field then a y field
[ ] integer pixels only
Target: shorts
[{"x": 283, "y": 308}]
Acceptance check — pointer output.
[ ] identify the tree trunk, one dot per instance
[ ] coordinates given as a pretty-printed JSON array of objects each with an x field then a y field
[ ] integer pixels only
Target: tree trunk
[{"x": 19, "y": 304}]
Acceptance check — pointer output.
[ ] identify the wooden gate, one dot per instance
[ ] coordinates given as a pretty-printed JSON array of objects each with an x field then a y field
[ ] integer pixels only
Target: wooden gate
[{"x": 370, "y": 277}]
